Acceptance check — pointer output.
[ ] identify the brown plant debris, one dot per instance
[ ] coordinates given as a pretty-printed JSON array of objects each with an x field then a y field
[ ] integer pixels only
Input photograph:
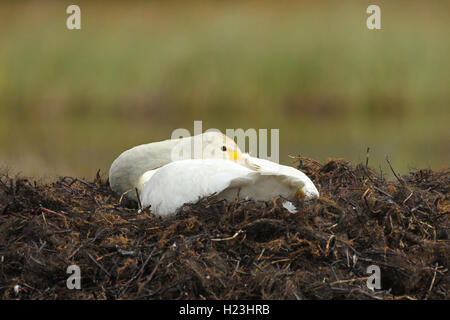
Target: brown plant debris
[{"x": 240, "y": 250}]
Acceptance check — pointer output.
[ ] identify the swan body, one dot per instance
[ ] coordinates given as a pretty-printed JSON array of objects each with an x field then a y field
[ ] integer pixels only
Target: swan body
[
  {"x": 187, "y": 181},
  {"x": 170, "y": 173}
]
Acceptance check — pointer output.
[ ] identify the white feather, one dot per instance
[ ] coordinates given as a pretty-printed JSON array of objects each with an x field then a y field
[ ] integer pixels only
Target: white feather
[
  {"x": 187, "y": 181},
  {"x": 289, "y": 206}
]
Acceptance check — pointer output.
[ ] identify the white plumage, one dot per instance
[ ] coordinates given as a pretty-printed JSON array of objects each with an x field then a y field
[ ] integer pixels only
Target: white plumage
[
  {"x": 165, "y": 183},
  {"x": 187, "y": 181},
  {"x": 134, "y": 167}
]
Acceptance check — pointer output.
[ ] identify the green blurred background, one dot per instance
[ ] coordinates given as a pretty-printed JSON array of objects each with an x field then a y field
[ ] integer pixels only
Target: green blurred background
[{"x": 71, "y": 101}]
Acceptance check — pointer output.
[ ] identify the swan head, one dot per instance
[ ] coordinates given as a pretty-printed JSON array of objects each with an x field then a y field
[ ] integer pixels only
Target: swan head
[{"x": 209, "y": 145}]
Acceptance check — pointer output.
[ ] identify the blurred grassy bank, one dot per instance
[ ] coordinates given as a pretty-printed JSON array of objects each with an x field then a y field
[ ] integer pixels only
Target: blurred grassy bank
[{"x": 71, "y": 101}]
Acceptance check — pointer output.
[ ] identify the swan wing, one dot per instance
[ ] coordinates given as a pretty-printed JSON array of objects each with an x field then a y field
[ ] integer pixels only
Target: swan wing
[
  {"x": 187, "y": 181},
  {"x": 290, "y": 175}
]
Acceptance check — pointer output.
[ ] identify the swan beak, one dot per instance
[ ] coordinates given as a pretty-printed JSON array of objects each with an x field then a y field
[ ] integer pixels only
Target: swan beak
[{"x": 234, "y": 155}]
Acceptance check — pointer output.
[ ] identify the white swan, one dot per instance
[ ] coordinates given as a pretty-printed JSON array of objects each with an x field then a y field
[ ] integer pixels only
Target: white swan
[
  {"x": 187, "y": 181},
  {"x": 134, "y": 167}
]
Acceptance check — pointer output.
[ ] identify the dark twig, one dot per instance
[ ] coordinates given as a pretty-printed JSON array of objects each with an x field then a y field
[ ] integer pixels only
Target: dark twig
[
  {"x": 432, "y": 282},
  {"x": 392, "y": 169},
  {"x": 138, "y": 199},
  {"x": 156, "y": 267},
  {"x": 383, "y": 192},
  {"x": 367, "y": 156},
  {"x": 99, "y": 265}
]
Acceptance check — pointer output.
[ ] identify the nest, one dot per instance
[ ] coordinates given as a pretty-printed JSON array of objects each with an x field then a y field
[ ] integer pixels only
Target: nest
[{"x": 239, "y": 250}]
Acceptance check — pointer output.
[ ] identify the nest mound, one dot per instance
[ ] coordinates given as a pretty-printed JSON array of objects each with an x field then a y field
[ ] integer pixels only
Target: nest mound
[{"x": 240, "y": 250}]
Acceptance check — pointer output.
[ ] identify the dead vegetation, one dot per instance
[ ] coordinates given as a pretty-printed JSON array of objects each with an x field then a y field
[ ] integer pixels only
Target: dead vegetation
[{"x": 239, "y": 250}]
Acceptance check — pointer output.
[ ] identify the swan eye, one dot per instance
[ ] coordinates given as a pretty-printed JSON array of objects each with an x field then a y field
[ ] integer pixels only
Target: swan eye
[{"x": 224, "y": 148}]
